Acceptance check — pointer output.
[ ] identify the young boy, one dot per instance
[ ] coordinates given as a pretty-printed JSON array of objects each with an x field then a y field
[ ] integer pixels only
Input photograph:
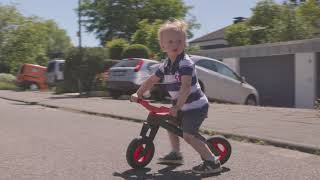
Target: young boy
[{"x": 179, "y": 73}]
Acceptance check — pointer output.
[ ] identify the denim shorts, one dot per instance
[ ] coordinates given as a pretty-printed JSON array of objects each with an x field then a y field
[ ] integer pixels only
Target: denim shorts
[{"x": 191, "y": 120}]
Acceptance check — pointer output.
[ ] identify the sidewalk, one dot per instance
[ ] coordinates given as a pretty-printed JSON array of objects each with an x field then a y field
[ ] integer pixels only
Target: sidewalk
[{"x": 286, "y": 127}]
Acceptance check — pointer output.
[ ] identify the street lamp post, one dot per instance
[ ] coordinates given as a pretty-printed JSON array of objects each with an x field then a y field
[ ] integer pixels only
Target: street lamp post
[{"x": 80, "y": 47}]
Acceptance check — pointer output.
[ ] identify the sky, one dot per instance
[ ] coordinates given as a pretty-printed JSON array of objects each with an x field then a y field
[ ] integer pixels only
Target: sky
[{"x": 210, "y": 14}]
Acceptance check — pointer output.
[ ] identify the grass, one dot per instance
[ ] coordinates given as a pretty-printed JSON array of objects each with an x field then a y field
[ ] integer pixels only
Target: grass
[{"x": 7, "y": 82}]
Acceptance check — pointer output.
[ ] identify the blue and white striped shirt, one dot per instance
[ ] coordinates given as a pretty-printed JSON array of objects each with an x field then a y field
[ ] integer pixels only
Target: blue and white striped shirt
[{"x": 171, "y": 74}]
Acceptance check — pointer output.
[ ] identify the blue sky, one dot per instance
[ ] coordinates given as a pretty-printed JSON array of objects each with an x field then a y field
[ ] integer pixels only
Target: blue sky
[{"x": 210, "y": 14}]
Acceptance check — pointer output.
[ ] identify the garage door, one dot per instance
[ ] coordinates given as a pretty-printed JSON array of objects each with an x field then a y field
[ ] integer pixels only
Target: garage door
[{"x": 273, "y": 77}]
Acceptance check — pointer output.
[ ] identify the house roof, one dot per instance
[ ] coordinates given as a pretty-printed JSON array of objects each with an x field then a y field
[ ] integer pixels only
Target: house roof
[
  {"x": 268, "y": 49},
  {"x": 219, "y": 34}
]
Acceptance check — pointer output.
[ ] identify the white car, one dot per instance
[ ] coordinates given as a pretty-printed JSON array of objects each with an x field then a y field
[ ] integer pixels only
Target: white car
[
  {"x": 219, "y": 82},
  {"x": 55, "y": 71}
]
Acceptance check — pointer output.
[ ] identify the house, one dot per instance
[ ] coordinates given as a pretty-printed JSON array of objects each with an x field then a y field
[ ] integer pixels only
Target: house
[
  {"x": 216, "y": 39},
  {"x": 212, "y": 40},
  {"x": 286, "y": 74}
]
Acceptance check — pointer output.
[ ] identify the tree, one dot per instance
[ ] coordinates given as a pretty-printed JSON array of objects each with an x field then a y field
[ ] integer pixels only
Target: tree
[
  {"x": 136, "y": 51},
  {"x": 119, "y": 18},
  {"x": 116, "y": 47},
  {"x": 289, "y": 26},
  {"x": 9, "y": 18},
  {"x": 270, "y": 22},
  {"x": 58, "y": 42},
  {"x": 80, "y": 72},
  {"x": 28, "y": 39},
  {"x": 147, "y": 34},
  {"x": 310, "y": 12},
  {"x": 25, "y": 45},
  {"x": 296, "y": 2},
  {"x": 238, "y": 34}
]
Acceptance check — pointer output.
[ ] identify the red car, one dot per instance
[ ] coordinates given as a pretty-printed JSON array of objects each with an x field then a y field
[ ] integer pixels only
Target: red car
[{"x": 31, "y": 76}]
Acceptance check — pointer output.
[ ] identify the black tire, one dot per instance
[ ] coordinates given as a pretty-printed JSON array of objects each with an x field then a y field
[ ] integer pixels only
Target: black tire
[
  {"x": 251, "y": 100},
  {"x": 222, "y": 148},
  {"x": 33, "y": 86},
  {"x": 135, "y": 148},
  {"x": 115, "y": 94}
]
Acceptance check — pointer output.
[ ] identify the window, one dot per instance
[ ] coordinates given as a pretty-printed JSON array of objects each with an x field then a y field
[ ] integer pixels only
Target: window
[
  {"x": 150, "y": 65},
  {"x": 34, "y": 70},
  {"x": 224, "y": 70},
  {"x": 208, "y": 64},
  {"x": 127, "y": 63},
  {"x": 61, "y": 67},
  {"x": 50, "y": 67}
]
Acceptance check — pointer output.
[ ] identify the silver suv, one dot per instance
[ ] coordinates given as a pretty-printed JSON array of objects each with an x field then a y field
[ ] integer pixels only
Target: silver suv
[{"x": 126, "y": 76}]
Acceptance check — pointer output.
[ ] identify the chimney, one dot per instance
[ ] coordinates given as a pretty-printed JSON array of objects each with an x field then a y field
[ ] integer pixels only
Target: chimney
[{"x": 239, "y": 19}]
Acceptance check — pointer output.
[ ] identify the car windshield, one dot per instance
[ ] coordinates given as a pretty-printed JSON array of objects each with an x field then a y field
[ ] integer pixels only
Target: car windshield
[
  {"x": 222, "y": 69},
  {"x": 127, "y": 63},
  {"x": 61, "y": 67}
]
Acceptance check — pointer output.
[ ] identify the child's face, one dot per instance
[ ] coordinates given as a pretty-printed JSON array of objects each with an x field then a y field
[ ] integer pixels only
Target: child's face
[{"x": 173, "y": 42}]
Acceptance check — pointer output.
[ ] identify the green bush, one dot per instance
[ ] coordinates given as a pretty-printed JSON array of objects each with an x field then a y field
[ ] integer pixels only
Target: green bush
[
  {"x": 116, "y": 47},
  {"x": 9, "y": 78},
  {"x": 81, "y": 71},
  {"x": 136, "y": 51},
  {"x": 7, "y": 82}
]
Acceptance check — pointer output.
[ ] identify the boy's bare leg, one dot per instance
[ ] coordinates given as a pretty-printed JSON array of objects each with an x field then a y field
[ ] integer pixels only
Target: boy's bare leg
[
  {"x": 174, "y": 157},
  {"x": 175, "y": 142},
  {"x": 199, "y": 146}
]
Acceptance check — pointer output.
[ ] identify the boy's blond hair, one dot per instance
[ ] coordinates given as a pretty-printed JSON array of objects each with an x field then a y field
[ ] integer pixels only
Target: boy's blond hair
[{"x": 176, "y": 25}]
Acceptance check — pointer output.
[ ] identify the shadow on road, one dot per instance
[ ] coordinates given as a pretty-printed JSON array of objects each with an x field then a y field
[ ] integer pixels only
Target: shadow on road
[
  {"x": 24, "y": 104},
  {"x": 68, "y": 96},
  {"x": 166, "y": 173}
]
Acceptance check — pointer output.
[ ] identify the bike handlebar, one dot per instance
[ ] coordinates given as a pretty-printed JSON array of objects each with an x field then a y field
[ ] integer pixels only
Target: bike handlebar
[{"x": 153, "y": 109}]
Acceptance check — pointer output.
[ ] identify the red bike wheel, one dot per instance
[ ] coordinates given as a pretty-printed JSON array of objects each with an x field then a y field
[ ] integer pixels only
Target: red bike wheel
[
  {"x": 139, "y": 153},
  {"x": 222, "y": 148}
]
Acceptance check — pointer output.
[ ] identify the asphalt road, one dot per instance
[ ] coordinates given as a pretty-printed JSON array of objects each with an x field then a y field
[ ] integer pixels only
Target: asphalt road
[{"x": 45, "y": 143}]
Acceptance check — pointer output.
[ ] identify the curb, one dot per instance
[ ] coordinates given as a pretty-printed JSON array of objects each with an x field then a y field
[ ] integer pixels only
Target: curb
[{"x": 236, "y": 137}]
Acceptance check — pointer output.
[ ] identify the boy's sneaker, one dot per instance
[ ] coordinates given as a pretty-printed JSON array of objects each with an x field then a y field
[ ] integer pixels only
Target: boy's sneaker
[
  {"x": 171, "y": 158},
  {"x": 208, "y": 167}
]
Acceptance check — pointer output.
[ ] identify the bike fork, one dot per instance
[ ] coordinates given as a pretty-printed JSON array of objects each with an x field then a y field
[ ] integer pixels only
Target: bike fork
[
  {"x": 149, "y": 131},
  {"x": 150, "y": 128}
]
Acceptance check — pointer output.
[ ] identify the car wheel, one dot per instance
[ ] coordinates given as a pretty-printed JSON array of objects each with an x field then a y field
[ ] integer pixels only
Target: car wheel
[
  {"x": 33, "y": 87},
  {"x": 251, "y": 101},
  {"x": 115, "y": 94}
]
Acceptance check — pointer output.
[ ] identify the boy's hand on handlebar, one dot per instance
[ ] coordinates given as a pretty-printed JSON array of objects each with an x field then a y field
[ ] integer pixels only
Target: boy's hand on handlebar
[
  {"x": 134, "y": 97},
  {"x": 174, "y": 111}
]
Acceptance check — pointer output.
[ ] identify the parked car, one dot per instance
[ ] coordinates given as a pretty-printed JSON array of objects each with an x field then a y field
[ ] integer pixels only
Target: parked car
[
  {"x": 219, "y": 82},
  {"x": 55, "y": 71},
  {"x": 126, "y": 76},
  {"x": 32, "y": 76}
]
